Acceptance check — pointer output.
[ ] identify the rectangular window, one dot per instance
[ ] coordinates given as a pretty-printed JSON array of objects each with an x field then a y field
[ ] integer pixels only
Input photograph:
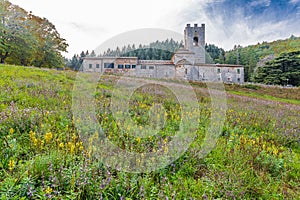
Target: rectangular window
[
  {"x": 239, "y": 80},
  {"x": 120, "y": 66},
  {"x": 133, "y": 66},
  {"x": 109, "y": 65},
  {"x": 127, "y": 66},
  {"x": 151, "y": 67},
  {"x": 97, "y": 66},
  {"x": 90, "y": 66},
  {"x": 219, "y": 70},
  {"x": 238, "y": 71},
  {"x": 143, "y": 67}
]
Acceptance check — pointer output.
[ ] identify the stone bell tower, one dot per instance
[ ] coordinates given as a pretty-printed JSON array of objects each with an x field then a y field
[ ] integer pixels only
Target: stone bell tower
[{"x": 194, "y": 39}]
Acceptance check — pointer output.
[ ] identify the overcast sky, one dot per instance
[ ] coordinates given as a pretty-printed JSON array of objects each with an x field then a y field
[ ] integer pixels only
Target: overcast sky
[{"x": 87, "y": 24}]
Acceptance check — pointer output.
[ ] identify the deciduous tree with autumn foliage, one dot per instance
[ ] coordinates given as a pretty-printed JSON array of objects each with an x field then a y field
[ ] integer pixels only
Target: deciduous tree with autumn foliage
[{"x": 26, "y": 39}]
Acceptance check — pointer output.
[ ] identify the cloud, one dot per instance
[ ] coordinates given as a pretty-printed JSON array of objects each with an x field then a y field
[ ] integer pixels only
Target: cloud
[
  {"x": 294, "y": 1},
  {"x": 260, "y": 3},
  {"x": 87, "y": 25},
  {"x": 244, "y": 22},
  {"x": 91, "y": 28}
]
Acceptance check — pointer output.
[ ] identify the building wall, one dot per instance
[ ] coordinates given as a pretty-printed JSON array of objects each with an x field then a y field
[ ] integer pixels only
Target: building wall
[
  {"x": 100, "y": 64},
  {"x": 188, "y": 57},
  {"x": 155, "y": 71},
  {"x": 214, "y": 73},
  {"x": 164, "y": 69},
  {"x": 91, "y": 65}
]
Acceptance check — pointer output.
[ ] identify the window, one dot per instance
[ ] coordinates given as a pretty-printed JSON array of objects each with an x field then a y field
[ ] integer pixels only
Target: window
[
  {"x": 219, "y": 70},
  {"x": 127, "y": 66},
  {"x": 238, "y": 71},
  {"x": 109, "y": 65},
  {"x": 120, "y": 66},
  {"x": 239, "y": 80},
  {"x": 143, "y": 67},
  {"x": 133, "y": 66},
  {"x": 196, "y": 40},
  {"x": 151, "y": 67},
  {"x": 90, "y": 66},
  {"x": 97, "y": 66}
]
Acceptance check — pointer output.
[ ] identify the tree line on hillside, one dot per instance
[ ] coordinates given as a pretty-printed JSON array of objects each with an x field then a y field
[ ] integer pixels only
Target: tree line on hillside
[
  {"x": 251, "y": 55},
  {"x": 280, "y": 59},
  {"x": 26, "y": 39},
  {"x": 159, "y": 50}
]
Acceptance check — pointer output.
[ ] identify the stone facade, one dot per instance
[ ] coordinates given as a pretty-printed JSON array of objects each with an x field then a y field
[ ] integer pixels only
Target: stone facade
[{"x": 188, "y": 62}]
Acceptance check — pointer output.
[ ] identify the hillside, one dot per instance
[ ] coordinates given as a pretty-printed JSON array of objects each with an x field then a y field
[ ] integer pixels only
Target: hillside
[
  {"x": 255, "y": 56},
  {"x": 45, "y": 153}
]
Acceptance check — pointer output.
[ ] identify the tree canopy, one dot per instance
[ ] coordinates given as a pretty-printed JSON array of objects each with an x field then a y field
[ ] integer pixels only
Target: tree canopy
[
  {"x": 283, "y": 70},
  {"x": 26, "y": 39}
]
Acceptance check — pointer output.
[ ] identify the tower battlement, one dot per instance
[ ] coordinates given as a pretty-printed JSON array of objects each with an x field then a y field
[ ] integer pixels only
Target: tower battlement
[{"x": 194, "y": 41}]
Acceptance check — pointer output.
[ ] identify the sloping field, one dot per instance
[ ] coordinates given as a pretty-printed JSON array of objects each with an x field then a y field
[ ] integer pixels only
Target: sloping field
[{"x": 154, "y": 141}]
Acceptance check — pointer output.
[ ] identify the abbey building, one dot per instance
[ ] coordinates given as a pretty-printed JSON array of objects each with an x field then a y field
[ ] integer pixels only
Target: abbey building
[{"x": 188, "y": 62}]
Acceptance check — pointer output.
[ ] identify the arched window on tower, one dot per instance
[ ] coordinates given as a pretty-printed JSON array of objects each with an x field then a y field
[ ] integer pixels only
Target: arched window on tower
[{"x": 196, "y": 40}]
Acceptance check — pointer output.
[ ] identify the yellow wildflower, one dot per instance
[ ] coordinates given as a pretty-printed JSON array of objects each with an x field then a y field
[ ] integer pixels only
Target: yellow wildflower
[
  {"x": 72, "y": 148},
  {"x": 11, "y": 131},
  {"x": 81, "y": 148},
  {"x": 42, "y": 143},
  {"x": 35, "y": 142},
  {"x": 166, "y": 150},
  {"x": 32, "y": 135},
  {"x": 48, "y": 190},
  {"x": 138, "y": 161},
  {"x": 11, "y": 164},
  {"x": 138, "y": 140},
  {"x": 61, "y": 145},
  {"x": 48, "y": 137},
  {"x": 165, "y": 141},
  {"x": 74, "y": 137}
]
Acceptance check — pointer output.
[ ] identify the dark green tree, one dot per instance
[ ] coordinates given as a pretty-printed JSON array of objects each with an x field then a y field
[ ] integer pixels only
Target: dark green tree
[{"x": 283, "y": 70}]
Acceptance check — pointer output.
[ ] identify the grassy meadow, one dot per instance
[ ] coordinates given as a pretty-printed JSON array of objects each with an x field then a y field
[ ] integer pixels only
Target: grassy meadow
[{"x": 42, "y": 156}]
